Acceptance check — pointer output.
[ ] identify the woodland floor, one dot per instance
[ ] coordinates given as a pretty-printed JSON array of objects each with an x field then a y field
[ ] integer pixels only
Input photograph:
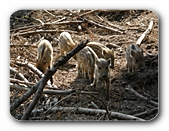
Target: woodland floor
[{"x": 24, "y": 27}]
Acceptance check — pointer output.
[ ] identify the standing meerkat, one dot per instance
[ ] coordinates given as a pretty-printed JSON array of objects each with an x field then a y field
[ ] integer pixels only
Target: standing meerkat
[
  {"x": 66, "y": 43},
  {"x": 44, "y": 56},
  {"x": 102, "y": 51}
]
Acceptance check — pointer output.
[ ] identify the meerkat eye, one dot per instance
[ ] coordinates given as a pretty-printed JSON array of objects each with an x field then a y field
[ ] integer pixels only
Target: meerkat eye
[
  {"x": 99, "y": 68},
  {"x": 106, "y": 67},
  {"x": 137, "y": 60}
]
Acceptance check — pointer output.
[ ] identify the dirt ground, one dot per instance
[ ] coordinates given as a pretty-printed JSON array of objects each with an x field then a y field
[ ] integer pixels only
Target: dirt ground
[{"x": 130, "y": 24}]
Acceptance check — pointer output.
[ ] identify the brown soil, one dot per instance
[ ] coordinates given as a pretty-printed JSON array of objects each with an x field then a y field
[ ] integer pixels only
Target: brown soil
[{"x": 134, "y": 23}]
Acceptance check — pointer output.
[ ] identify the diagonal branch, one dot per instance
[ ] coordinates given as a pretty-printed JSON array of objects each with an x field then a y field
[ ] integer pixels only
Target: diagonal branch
[
  {"x": 141, "y": 96},
  {"x": 38, "y": 87},
  {"x": 148, "y": 31}
]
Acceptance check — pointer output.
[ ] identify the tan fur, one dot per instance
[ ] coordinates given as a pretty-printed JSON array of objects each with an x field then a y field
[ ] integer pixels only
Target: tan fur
[
  {"x": 86, "y": 62},
  {"x": 66, "y": 43},
  {"x": 102, "y": 73},
  {"x": 44, "y": 56},
  {"x": 102, "y": 51}
]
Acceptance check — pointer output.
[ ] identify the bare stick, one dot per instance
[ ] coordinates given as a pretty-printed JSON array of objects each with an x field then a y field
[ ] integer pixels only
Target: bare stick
[
  {"x": 64, "y": 22},
  {"x": 31, "y": 67},
  {"x": 88, "y": 111},
  {"x": 21, "y": 45},
  {"x": 35, "y": 26},
  {"x": 105, "y": 105},
  {"x": 41, "y": 32},
  {"x": 147, "y": 113},
  {"x": 102, "y": 26},
  {"x": 49, "y": 92},
  {"x": 105, "y": 20},
  {"x": 40, "y": 85},
  {"x": 59, "y": 102},
  {"x": 94, "y": 105},
  {"x": 42, "y": 23},
  {"x": 19, "y": 75},
  {"x": 148, "y": 31},
  {"x": 89, "y": 12},
  {"x": 18, "y": 87},
  {"x": 141, "y": 97},
  {"x": 50, "y": 13},
  {"x": 21, "y": 82}
]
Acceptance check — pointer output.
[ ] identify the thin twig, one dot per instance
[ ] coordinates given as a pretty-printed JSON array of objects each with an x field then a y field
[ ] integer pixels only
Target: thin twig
[
  {"x": 41, "y": 32},
  {"x": 89, "y": 12},
  {"x": 141, "y": 96},
  {"x": 18, "y": 74},
  {"x": 103, "y": 26}
]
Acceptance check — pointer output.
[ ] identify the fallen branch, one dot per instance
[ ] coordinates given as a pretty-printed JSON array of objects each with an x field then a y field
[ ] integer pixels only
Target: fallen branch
[
  {"x": 38, "y": 87},
  {"x": 48, "y": 92},
  {"x": 88, "y": 111},
  {"x": 42, "y": 23},
  {"x": 147, "y": 113},
  {"x": 21, "y": 45},
  {"x": 31, "y": 67},
  {"x": 41, "y": 32},
  {"x": 110, "y": 46},
  {"x": 21, "y": 82},
  {"x": 49, "y": 110},
  {"x": 94, "y": 105},
  {"x": 102, "y": 101},
  {"x": 148, "y": 31},
  {"x": 103, "y": 26},
  {"x": 64, "y": 22},
  {"x": 141, "y": 96},
  {"x": 50, "y": 13},
  {"x": 35, "y": 26},
  {"x": 19, "y": 87},
  {"x": 115, "y": 26},
  {"x": 89, "y": 12},
  {"x": 18, "y": 74}
]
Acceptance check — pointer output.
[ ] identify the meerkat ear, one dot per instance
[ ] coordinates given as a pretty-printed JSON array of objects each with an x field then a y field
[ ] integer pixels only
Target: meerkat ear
[
  {"x": 112, "y": 50},
  {"x": 109, "y": 61},
  {"x": 138, "y": 45},
  {"x": 104, "y": 52},
  {"x": 132, "y": 53}
]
